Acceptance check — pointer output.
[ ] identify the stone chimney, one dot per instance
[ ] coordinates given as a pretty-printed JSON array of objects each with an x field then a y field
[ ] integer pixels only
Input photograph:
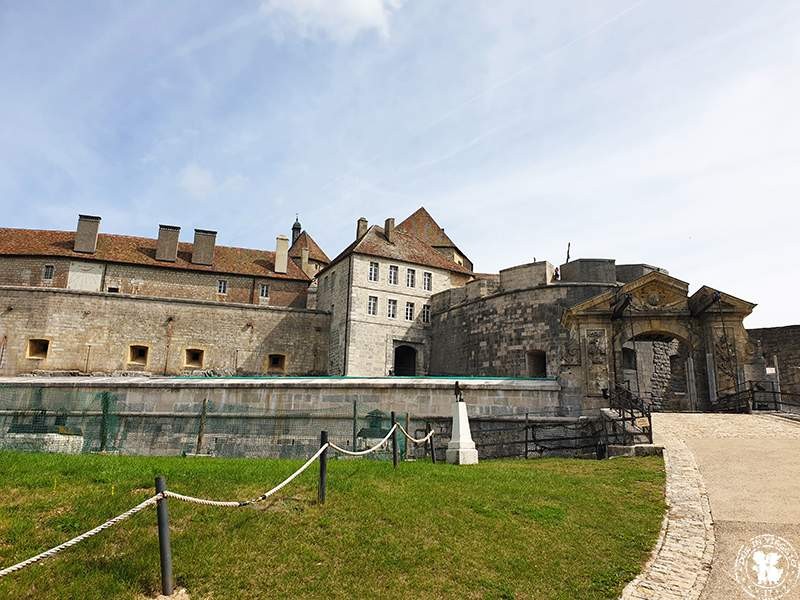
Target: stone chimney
[
  {"x": 281, "y": 254},
  {"x": 304, "y": 262},
  {"x": 388, "y": 230},
  {"x": 86, "y": 234},
  {"x": 167, "y": 247},
  {"x": 203, "y": 247},
  {"x": 361, "y": 227}
]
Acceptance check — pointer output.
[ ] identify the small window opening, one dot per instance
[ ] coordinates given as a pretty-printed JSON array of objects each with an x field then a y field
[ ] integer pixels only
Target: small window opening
[
  {"x": 137, "y": 355},
  {"x": 277, "y": 362},
  {"x": 628, "y": 358},
  {"x": 537, "y": 363},
  {"x": 37, "y": 349},
  {"x": 264, "y": 291},
  {"x": 222, "y": 286},
  {"x": 49, "y": 272},
  {"x": 113, "y": 289},
  {"x": 194, "y": 358}
]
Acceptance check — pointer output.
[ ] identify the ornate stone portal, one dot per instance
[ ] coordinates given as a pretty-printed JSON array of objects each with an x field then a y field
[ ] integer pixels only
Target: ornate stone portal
[{"x": 712, "y": 352}]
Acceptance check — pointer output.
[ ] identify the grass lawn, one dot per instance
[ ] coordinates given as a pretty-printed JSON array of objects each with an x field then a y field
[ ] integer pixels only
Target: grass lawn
[{"x": 547, "y": 528}]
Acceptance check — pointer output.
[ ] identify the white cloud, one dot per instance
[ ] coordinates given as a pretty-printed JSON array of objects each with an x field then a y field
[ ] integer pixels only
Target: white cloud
[
  {"x": 196, "y": 181},
  {"x": 339, "y": 20}
]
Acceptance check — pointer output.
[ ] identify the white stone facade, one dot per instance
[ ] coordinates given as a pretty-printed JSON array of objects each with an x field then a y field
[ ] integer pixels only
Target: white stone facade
[{"x": 362, "y": 343}]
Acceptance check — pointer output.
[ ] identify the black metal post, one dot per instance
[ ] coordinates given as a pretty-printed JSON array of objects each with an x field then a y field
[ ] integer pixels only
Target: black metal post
[
  {"x": 526, "y": 435},
  {"x": 430, "y": 441},
  {"x": 394, "y": 442},
  {"x": 323, "y": 468},
  {"x": 355, "y": 423},
  {"x": 164, "y": 549}
]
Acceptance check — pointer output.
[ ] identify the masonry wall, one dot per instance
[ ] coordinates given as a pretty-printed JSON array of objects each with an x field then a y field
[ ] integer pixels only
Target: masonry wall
[
  {"x": 781, "y": 345},
  {"x": 159, "y": 282},
  {"x": 266, "y": 417},
  {"x": 92, "y": 332}
]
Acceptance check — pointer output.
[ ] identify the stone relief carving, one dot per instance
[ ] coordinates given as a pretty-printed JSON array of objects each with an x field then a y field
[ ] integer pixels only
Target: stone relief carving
[
  {"x": 657, "y": 297},
  {"x": 596, "y": 346}
]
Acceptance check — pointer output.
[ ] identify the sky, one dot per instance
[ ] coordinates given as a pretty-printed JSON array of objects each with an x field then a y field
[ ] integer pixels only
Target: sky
[{"x": 658, "y": 132}]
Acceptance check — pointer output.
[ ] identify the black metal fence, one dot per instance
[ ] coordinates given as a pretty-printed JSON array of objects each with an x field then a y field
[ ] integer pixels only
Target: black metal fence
[{"x": 759, "y": 396}]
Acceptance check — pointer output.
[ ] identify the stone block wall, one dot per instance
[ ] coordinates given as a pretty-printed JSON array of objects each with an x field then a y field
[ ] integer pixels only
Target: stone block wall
[
  {"x": 92, "y": 332},
  {"x": 781, "y": 346}
]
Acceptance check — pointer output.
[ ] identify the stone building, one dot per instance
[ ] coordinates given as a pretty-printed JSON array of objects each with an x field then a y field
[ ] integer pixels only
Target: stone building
[
  {"x": 378, "y": 293},
  {"x": 399, "y": 300}
]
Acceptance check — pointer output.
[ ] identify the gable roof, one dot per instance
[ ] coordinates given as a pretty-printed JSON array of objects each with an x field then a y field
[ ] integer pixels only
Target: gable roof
[
  {"x": 132, "y": 250},
  {"x": 422, "y": 225},
  {"x": 304, "y": 240},
  {"x": 405, "y": 248}
]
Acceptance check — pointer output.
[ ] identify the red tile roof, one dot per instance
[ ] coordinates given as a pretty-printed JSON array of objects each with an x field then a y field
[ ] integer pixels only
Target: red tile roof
[
  {"x": 405, "y": 248},
  {"x": 422, "y": 225},
  {"x": 142, "y": 251},
  {"x": 304, "y": 240}
]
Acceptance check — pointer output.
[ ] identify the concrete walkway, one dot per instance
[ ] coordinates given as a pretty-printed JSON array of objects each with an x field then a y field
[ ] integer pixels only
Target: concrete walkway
[{"x": 730, "y": 478}]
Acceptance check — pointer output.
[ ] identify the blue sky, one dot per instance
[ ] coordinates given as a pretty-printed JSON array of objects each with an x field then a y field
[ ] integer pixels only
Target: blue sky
[{"x": 659, "y": 132}]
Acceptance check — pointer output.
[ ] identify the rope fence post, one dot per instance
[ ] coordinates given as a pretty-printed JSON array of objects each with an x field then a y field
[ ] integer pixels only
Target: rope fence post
[
  {"x": 407, "y": 445},
  {"x": 164, "y": 549},
  {"x": 430, "y": 441},
  {"x": 527, "y": 435},
  {"x": 355, "y": 423},
  {"x": 323, "y": 468},
  {"x": 394, "y": 441}
]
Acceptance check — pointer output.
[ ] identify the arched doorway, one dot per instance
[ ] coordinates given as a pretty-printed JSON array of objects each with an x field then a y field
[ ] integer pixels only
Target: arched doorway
[{"x": 405, "y": 361}]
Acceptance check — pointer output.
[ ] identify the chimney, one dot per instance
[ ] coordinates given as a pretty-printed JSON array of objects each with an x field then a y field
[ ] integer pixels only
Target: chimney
[
  {"x": 281, "y": 254},
  {"x": 304, "y": 262},
  {"x": 167, "y": 247},
  {"x": 388, "y": 230},
  {"x": 361, "y": 228},
  {"x": 86, "y": 234},
  {"x": 203, "y": 247}
]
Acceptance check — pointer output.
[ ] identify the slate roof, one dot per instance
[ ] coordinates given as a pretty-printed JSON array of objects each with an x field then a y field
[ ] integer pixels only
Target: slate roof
[
  {"x": 304, "y": 240},
  {"x": 405, "y": 248},
  {"x": 132, "y": 250}
]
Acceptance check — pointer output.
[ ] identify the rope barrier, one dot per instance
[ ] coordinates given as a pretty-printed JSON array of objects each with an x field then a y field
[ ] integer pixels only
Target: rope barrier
[
  {"x": 368, "y": 450},
  {"x": 84, "y": 536},
  {"x": 414, "y": 440},
  {"x": 264, "y": 496},
  {"x": 204, "y": 501}
]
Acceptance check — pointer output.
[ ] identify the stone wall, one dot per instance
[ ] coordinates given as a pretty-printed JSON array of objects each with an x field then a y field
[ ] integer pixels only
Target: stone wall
[
  {"x": 92, "y": 332},
  {"x": 781, "y": 345},
  {"x": 250, "y": 417},
  {"x": 158, "y": 282}
]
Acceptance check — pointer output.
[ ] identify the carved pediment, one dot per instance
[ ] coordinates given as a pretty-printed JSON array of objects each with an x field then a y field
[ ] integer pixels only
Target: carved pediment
[
  {"x": 656, "y": 296},
  {"x": 708, "y": 299}
]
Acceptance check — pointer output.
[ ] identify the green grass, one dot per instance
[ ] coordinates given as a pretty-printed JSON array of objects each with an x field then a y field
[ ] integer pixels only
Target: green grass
[{"x": 548, "y": 528}]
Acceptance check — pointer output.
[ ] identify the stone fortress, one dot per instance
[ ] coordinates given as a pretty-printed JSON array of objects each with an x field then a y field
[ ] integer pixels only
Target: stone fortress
[{"x": 400, "y": 300}]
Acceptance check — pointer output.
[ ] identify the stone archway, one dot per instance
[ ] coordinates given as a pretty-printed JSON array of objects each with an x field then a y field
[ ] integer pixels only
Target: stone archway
[
  {"x": 657, "y": 308},
  {"x": 405, "y": 361}
]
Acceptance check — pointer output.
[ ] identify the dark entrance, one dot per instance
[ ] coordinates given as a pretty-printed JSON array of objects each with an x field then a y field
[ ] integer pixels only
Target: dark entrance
[{"x": 405, "y": 361}]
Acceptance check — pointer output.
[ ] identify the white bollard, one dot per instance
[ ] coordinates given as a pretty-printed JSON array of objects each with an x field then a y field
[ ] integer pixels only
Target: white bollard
[{"x": 461, "y": 449}]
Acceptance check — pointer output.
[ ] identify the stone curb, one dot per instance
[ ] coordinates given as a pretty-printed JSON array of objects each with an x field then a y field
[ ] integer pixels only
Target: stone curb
[{"x": 680, "y": 564}]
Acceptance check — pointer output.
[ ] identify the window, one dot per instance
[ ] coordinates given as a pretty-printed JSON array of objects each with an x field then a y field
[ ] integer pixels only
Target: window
[
  {"x": 628, "y": 358},
  {"x": 333, "y": 279},
  {"x": 427, "y": 281},
  {"x": 537, "y": 363},
  {"x": 276, "y": 363},
  {"x": 426, "y": 313},
  {"x": 194, "y": 358},
  {"x": 137, "y": 355},
  {"x": 411, "y": 278},
  {"x": 49, "y": 272},
  {"x": 394, "y": 274},
  {"x": 373, "y": 271},
  {"x": 409, "y": 311},
  {"x": 113, "y": 289},
  {"x": 222, "y": 286},
  {"x": 372, "y": 305},
  {"x": 326, "y": 283},
  {"x": 263, "y": 291},
  {"x": 37, "y": 349},
  {"x": 391, "y": 310}
]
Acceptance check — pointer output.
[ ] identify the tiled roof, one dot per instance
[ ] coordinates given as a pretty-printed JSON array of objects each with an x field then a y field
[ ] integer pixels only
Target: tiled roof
[
  {"x": 405, "y": 248},
  {"x": 304, "y": 240},
  {"x": 422, "y": 225},
  {"x": 142, "y": 251}
]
